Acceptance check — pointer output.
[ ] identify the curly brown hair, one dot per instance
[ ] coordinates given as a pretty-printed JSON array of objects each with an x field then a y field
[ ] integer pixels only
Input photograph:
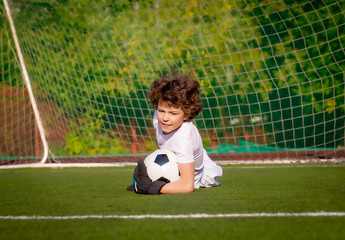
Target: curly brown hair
[{"x": 178, "y": 91}]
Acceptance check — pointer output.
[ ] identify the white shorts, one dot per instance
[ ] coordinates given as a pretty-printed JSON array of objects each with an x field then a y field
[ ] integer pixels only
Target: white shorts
[{"x": 210, "y": 172}]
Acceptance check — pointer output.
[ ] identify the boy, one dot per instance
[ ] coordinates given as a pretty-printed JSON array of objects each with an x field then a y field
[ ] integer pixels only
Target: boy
[{"x": 177, "y": 101}]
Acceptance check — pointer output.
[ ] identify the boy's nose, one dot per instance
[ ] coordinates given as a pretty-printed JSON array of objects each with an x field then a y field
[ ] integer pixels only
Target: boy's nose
[{"x": 165, "y": 117}]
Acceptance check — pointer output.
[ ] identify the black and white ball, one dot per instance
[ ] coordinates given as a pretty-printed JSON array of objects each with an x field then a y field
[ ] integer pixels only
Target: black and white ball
[{"x": 162, "y": 165}]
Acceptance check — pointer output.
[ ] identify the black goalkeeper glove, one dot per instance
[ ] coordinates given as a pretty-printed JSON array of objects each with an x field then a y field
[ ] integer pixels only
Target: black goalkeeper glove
[{"x": 142, "y": 182}]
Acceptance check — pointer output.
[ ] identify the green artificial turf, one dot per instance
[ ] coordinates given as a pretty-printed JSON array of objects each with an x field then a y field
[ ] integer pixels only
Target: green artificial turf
[{"x": 244, "y": 189}]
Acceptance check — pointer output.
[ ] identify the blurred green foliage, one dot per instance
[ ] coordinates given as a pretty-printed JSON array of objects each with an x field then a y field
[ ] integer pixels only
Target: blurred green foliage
[{"x": 282, "y": 61}]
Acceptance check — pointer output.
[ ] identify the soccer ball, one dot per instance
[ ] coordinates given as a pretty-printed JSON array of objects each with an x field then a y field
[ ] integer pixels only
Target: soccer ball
[{"x": 162, "y": 165}]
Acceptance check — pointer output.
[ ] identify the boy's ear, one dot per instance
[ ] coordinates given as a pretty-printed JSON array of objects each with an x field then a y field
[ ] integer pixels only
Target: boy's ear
[{"x": 186, "y": 117}]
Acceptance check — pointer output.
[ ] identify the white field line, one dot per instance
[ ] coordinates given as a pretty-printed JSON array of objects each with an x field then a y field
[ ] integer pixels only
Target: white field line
[
  {"x": 221, "y": 162},
  {"x": 179, "y": 216}
]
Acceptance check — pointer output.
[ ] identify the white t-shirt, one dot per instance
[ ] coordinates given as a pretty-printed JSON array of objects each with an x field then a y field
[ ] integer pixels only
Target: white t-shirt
[{"x": 186, "y": 143}]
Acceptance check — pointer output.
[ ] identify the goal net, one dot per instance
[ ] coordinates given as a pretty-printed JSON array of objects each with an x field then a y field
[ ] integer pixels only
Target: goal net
[{"x": 271, "y": 75}]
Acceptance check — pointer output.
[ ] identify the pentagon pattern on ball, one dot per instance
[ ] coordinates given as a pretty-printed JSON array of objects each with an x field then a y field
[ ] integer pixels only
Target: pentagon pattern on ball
[{"x": 161, "y": 159}]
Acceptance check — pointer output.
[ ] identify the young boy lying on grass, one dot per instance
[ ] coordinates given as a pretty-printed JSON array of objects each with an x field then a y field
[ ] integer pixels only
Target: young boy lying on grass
[{"x": 177, "y": 102}]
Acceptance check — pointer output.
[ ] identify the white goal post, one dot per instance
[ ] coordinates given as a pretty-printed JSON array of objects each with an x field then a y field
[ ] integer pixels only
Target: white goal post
[
  {"x": 27, "y": 83},
  {"x": 75, "y": 76}
]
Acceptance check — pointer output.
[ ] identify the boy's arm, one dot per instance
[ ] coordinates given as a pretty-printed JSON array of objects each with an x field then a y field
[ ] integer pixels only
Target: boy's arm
[{"x": 186, "y": 182}]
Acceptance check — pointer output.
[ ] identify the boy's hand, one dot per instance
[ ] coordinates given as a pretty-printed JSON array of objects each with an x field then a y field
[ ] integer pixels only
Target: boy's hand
[{"x": 142, "y": 182}]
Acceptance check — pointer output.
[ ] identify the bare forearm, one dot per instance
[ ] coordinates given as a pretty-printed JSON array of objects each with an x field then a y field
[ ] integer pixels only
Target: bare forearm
[{"x": 178, "y": 187}]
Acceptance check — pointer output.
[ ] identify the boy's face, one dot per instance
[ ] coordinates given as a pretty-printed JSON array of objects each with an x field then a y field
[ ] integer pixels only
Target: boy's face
[{"x": 169, "y": 117}]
